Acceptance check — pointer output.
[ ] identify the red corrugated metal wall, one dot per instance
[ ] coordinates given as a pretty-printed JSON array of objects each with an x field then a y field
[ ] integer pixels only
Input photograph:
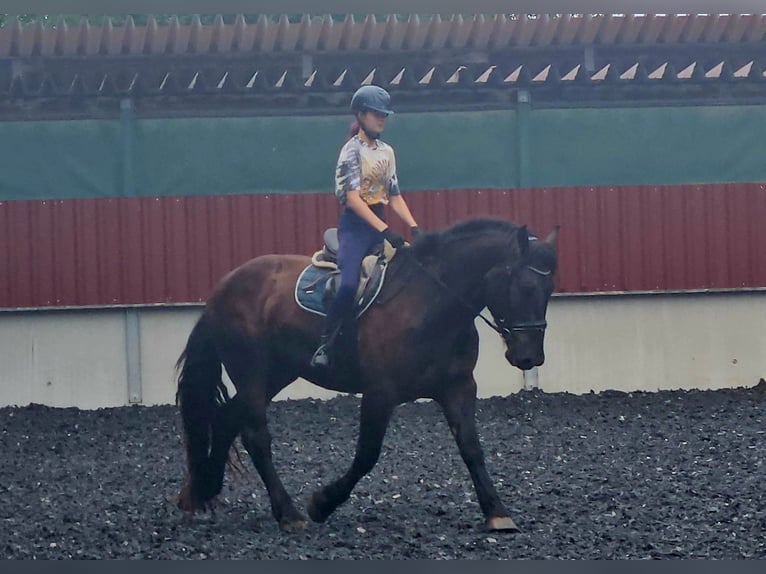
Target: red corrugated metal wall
[{"x": 173, "y": 250}]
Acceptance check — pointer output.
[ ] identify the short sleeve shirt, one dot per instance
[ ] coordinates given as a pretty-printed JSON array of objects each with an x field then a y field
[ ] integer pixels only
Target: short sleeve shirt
[{"x": 371, "y": 170}]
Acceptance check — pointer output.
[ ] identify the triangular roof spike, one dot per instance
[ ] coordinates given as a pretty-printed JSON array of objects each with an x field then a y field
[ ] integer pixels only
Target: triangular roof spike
[
  {"x": 251, "y": 82},
  {"x": 514, "y": 75},
  {"x": 77, "y": 87},
  {"x": 600, "y": 75},
  {"x": 106, "y": 86},
  {"x": 630, "y": 73},
  {"x": 571, "y": 74},
  {"x": 259, "y": 82},
  {"x": 658, "y": 73},
  {"x": 369, "y": 78},
  {"x": 397, "y": 79},
  {"x": 339, "y": 80},
  {"x": 168, "y": 84},
  {"x": 310, "y": 80},
  {"x": 281, "y": 81},
  {"x": 198, "y": 83},
  {"x": 427, "y": 77},
  {"x": 688, "y": 72},
  {"x": 193, "y": 82},
  {"x": 456, "y": 75},
  {"x": 715, "y": 71},
  {"x": 485, "y": 75},
  {"x": 745, "y": 70},
  {"x": 136, "y": 85},
  {"x": 542, "y": 75}
]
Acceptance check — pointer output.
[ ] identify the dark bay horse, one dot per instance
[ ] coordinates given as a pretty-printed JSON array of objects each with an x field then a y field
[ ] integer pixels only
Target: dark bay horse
[{"x": 417, "y": 341}]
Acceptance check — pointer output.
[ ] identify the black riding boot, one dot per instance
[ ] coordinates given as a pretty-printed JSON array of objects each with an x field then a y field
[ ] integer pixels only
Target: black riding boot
[
  {"x": 340, "y": 309},
  {"x": 321, "y": 356}
]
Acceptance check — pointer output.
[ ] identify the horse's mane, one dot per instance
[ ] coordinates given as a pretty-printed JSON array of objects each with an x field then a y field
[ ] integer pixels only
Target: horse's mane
[{"x": 431, "y": 243}]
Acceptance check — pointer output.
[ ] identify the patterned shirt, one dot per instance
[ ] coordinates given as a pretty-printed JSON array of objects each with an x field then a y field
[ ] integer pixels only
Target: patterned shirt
[{"x": 371, "y": 170}]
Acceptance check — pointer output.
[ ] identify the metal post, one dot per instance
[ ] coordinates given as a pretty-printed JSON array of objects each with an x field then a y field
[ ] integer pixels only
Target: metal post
[
  {"x": 133, "y": 356},
  {"x": 132, "y": 322},
  {"x": 523, "y": 110},
  {"x": 127, "y": 120}
]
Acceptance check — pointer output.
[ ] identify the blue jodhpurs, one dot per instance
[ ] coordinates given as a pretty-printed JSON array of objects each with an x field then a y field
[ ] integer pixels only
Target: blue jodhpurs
[{"x": 356, "y": 240}]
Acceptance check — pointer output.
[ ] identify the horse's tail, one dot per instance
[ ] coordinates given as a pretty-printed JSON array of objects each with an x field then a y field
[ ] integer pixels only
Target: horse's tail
[{"x": 201, "y": 392}]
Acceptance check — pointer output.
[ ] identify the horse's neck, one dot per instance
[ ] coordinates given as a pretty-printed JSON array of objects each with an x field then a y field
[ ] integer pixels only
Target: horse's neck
[{"x": 462, "y": 271}]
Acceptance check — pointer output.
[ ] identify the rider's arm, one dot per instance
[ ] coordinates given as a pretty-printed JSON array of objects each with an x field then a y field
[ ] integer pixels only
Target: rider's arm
[
  {"x": 355, "y": 202},
  {"x": 399, "y": 206},
  {"x": 395, "y": 199}
]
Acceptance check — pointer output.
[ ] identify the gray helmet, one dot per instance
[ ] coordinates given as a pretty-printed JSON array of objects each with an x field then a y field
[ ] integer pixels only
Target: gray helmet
[{"x": 371, "y": 98}]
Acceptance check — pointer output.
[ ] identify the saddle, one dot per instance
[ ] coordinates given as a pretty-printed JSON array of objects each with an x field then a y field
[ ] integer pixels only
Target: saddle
[{"x": 319, "y": 281}]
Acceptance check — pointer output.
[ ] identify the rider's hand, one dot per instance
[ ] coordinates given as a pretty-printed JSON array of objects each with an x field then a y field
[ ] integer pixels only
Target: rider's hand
[{"x": 396, "y": 240}]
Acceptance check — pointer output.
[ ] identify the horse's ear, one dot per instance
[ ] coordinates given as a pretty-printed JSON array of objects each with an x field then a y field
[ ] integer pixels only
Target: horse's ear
[
  {"x": 522, "y": 238},
  {"x": 553, "y": 237}
]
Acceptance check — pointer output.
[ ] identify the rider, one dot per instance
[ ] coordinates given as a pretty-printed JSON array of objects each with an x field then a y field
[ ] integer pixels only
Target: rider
[{"x": 365, "y": 181}]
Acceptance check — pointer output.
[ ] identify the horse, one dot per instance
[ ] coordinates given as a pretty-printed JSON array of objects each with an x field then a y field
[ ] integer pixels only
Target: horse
[{"x": 417, "y": 340}]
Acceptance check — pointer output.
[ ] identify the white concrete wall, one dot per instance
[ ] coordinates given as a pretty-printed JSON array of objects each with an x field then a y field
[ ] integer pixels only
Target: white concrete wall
[{"x": 628, "y": 343}]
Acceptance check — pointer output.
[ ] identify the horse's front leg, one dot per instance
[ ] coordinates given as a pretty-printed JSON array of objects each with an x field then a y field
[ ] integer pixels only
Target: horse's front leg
[
  {"x": 375, "y": 414},
  {"x": 459, "y": 404}
]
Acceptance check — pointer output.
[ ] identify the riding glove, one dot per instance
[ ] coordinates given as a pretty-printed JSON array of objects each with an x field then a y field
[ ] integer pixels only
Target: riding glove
[{"x": 396, "y": 240}]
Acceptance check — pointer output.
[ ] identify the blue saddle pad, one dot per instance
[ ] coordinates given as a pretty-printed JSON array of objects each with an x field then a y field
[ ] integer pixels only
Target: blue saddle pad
[{"x": 311, "y": 289}]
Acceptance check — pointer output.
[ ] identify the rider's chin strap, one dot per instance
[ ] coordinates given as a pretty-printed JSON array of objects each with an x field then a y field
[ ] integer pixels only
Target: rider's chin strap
[{"x": 370, "y": 134}]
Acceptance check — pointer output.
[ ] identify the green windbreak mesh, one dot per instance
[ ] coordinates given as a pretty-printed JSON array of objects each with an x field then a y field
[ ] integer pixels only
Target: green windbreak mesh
[
  {"x": 712, "y": 144},
  {"x": 58, "y": 159},
  {"x": 439, "y": 150},
  {"x": 210, "y": 156}
]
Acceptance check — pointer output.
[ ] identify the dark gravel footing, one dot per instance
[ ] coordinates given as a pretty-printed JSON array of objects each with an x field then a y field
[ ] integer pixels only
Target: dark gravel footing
[{"x": 669, "y": 474}]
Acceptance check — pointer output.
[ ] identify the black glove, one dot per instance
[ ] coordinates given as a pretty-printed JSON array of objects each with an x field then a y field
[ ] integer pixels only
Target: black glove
[
  {"x": 396, "y": 240},
  {"x": 415, "y": 231}
]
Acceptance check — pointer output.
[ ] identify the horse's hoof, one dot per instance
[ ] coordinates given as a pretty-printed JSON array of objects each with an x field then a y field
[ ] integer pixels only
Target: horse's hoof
[
  {"x": 501, "y": 524},
  {"x": 313, "y": 509},
  {"x": 293, "y": 524}
]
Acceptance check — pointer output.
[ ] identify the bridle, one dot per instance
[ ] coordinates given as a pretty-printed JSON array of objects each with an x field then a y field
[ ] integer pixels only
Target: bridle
[{"x": 500, "y": 327}]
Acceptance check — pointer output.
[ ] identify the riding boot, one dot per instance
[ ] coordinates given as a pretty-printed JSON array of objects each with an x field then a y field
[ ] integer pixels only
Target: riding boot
[
  {"x": 321, "y": 357},
  {"x": 341, "y": 307}
]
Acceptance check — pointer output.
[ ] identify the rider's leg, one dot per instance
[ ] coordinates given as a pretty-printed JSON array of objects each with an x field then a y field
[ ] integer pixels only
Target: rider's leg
[{"x": 356, "y": 240}]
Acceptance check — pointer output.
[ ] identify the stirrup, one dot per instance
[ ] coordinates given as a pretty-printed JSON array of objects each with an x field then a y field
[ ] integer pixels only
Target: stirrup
[{"x": 321, "y": 358}]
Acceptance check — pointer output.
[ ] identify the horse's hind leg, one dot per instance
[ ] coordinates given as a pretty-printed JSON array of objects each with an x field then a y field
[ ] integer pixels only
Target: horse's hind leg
[
  {"x": 459, "y": 403},
  {"x": 375, "y": 415},
  {"x": 257, "y": 440}
]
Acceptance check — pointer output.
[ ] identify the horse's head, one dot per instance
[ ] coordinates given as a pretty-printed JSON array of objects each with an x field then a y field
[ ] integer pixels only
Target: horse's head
[{"x": 517, "y": 296}]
